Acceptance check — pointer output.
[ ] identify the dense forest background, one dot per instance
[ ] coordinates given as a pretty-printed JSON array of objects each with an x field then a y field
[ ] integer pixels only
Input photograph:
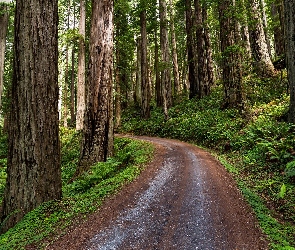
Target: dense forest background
[{"x": 220, "y": 74}]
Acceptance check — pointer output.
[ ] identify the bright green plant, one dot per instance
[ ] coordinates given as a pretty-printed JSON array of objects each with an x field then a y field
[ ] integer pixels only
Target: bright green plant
[{"x": 82, "y": 196}]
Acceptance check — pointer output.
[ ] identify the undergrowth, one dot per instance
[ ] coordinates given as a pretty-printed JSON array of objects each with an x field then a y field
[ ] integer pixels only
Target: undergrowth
[
  {"x": 257, "y": 145},
  {"x": 80, "y": 197}
]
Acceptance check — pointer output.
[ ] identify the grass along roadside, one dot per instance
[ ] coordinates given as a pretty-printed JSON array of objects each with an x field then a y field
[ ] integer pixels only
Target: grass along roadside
[
  {"x": 81, "y": 197},
  {"x": 257, "y": 146}
]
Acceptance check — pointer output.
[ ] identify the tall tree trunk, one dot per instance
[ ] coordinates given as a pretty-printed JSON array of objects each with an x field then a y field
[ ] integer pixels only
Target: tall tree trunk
[
  {"x": 262, "y": 59},
  {"x": 290, "y": 55},
  {"x": 177, "y": 87},
  {"x": 145, "y": 86},
  {"x": 65, "y": 91},
  {"x": 278, "y": 20},
  {"x": 66, "y": 79},
  {"x": 191, "y": 54},
  {"x": 159, "y": 96},
  {"x": 97, "y": 143},
  {"x": 208, "y": 50},
  {"x": 137, "y": 91},
  {"x": 265, "y": 25},
  {"x": 165, "y": 56},
  {"x": 33, "y": 166},
  {"x": 118, "y": 90},
  {"x": 246, "y": 39},
  {"x": 81, "y": 69},
  {"x": 245, "y": 36},
  {"x": 73, "y": 104},
  {"x": 231, "y": 57},
  {"x": 204, "y": 59},
  {"x": 3, "y": 31}
]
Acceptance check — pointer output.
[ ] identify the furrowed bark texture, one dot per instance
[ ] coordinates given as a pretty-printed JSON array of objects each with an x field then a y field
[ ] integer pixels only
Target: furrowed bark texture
[
  {"x": 33, "y": 167},
  {"x": 158, "y": 87},
  {"x": 204, "y": 54},
  {"x": 191, "y": 53},
  {"x": 137, "y": 88},
  {"x": 3, "y": 31},
  {"x": 278, "y": 19},
  {"x": 262, "y": 61},
  {"x": 97, "y": 144},
  {"x": 177, "y": 87},
  {"x": 231, "y": 57},
  {"x": 145, "y": 85},
  {"x": 290, "y": 52},
  {"x": 81, "y": 69},
  {"x": 118, "y": 78},
  {"x": 165, "y": 56}
]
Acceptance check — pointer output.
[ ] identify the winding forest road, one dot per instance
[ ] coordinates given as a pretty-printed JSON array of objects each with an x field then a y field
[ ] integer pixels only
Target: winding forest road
[{"x": 184, "y": 200}]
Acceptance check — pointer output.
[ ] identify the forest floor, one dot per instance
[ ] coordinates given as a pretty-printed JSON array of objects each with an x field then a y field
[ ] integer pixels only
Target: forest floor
[{"x": 184, "y": 199}]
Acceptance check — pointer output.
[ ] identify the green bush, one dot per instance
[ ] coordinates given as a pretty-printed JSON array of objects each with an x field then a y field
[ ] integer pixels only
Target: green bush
[
  {"x": 82, "y": 196},
  {"x": 258, "y": 142}
]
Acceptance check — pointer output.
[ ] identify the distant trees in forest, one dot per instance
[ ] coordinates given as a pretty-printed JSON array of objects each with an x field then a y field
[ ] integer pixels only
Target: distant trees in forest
[{"x": 109, "y": 55}]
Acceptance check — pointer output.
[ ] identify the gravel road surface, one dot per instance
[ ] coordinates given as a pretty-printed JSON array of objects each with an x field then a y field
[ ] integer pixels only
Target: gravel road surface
[{"x": 183, "y": 200}]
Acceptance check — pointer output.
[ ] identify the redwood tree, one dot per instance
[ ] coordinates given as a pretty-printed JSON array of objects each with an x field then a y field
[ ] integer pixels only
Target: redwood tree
[
  {"x": 145, "y": 85},
  {"x": 165, "y": 56},
  {"x": 290, "y": 55},
  {"x": 97, "y": 144},
  {"x": 204, "y": 54},
  {"x": 191, "y": 51},
  {"x": 231, "y": 55},
  {"x": 261, "y": 56},
  {"x": 81, "y": 68},
  {"x": 3, "y": 31},
  {"x": 33, "y": 166}
]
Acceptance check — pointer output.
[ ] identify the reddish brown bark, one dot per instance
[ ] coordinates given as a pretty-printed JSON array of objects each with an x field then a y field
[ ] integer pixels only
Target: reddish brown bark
[
  {"x": 33, "y": 167},
  {"x": 97, "y": 144}
]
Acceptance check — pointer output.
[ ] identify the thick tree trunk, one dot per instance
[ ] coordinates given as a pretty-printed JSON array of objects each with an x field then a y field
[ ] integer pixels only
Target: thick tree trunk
[
  {"x": 65, "y": 91},
  {"x": 208, "y": 51},
  {"x": 177, "y": 87},
  {"x": 137, "y": 91},
  {"x": 159, "y": 96},
  {"x": 145, "y": 86},
  {"x": 246, "y": 39},
  {"x": 191, "y": 53},
  {"x": 265, "y": 25},
  {"x": 278, "y": 20},
  {"x": 97, "y": 144},
  {"x": 231, "y": 58},
  {"x": 3, "y": 31},
  {"x": 118, "y": 90},
  {"x": 73, "y": 88},
  {"x": 165, "y": 56},
  {"x": 262, "y": 59},
  {"x": 204, "y": 59},
  {"x": 66, "y": 80},
  {"x": 81, "y": 69},
  {"x": 33, "y": 167},
  {"x": 290, "y": 55}
]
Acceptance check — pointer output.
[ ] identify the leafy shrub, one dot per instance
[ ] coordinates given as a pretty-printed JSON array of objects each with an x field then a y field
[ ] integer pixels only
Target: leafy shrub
[
  {"x": 82, "y": 196},
  {"x": 258, "y": 141}
]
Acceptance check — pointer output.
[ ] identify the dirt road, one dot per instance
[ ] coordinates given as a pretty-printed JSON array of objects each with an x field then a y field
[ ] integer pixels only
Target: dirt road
[{"x": 184, "y": 200}]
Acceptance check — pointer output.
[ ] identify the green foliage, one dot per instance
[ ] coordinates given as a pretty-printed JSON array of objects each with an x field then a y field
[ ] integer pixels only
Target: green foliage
[
  {"x": 197, "y": 121},
  {"x": 70, "y": 151},
  {"x": 82, "y": 196},
  {"x": 282, "y": 192},
  {"x": 290, "y": 169},
  {"x": 281, "y": 235},
  {"x": 3, "y": 162},
  {"x": 257, "y": 146}
]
